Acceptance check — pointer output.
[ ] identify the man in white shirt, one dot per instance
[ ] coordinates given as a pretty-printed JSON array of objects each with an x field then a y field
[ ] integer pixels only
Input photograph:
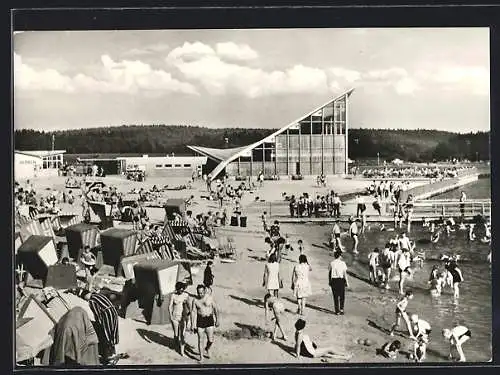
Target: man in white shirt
[
  {"x": 337, "y": 279},
  {"x": 353, "y": 231},
  {"x": 360, "y": 205}
]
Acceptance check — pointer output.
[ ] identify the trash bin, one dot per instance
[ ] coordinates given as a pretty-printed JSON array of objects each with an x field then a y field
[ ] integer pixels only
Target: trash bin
[
  {"x": 234, "y": 221},
  {"x": 243, "y": 221}
]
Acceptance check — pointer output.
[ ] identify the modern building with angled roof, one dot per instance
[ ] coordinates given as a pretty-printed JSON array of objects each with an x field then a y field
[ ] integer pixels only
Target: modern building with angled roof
[{"x": 314, "y": 144}]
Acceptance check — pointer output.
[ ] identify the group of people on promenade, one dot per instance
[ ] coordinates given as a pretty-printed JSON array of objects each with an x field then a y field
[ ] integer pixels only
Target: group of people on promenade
[{"x": 322, "y": 205}]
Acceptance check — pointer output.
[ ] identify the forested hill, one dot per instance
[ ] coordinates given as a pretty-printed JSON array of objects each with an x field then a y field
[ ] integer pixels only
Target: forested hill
[{"x": 411, "y": 145}]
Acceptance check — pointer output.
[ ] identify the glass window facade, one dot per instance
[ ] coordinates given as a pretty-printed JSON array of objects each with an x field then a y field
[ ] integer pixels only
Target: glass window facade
[{"x": 315, "y": 145}]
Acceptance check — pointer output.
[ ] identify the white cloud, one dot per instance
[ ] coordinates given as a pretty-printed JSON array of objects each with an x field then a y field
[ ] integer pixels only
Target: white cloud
[
  {"x": 119, "y": 77},
  {"x": 236, "y": 52},
  {"x": 385, "y": 74},
  {"x": 474, "y": 79},
  {"x": 148, "y": 50},
  {"x": 346, "y": 74},
  {"x": 406, "y": 86},
  {"x": 190, "y": 52},
  {"x": 25, "y": 77}
]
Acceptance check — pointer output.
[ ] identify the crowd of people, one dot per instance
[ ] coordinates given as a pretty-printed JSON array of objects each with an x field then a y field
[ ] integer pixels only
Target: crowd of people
[{"x": 435, "y": 173}]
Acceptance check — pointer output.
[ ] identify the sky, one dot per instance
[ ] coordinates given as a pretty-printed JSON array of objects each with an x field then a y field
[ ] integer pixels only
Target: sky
[{"x": 405, "y": 78}]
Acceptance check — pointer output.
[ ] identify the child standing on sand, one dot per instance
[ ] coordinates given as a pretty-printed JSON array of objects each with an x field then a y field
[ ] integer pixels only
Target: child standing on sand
[
  {"x": 275, "y": 305},
  {"x": 401, "y": 312}
]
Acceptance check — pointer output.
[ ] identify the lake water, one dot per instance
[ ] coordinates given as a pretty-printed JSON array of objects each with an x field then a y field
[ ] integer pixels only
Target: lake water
[
  {"x": 473, "y": 308},
  {"x": 480, "y": 189}
]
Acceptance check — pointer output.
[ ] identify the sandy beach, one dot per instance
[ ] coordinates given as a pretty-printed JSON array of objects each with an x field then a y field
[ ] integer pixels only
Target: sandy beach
[{"x": 239, "y": 294}]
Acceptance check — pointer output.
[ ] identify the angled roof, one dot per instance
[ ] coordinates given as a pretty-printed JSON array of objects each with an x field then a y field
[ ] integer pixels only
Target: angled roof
[
  {"x": 242, "y": 150},
  {"x": 217, "y": 154}
]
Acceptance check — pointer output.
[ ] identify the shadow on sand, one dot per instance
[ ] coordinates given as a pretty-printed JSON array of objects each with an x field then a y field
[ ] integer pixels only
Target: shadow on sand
[
  {"x": 158, "y": 338},
  {"x": 286, "y": 348},
  {"x": 317, "y": 308},
  {"x": 252, "y": 302}
]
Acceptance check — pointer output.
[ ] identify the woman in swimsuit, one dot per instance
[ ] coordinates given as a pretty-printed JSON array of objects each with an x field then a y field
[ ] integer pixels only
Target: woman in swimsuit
[
  {"x": 305, "y": 347},
  {"x": 457, "y": 337},
  {"x": 179, "y": 313},
  {"x": 456, "y": 274}
]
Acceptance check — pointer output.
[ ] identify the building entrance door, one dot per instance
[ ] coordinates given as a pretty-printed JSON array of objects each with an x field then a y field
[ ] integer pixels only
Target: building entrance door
[{"x": 297, "y": 168}]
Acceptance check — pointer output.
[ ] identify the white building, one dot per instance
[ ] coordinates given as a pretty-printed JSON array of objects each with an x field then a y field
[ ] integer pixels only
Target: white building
[
  {"x": 26, "y": 165},
  {"x": 31, "y": 164},
  {"x": 165, "y": 166}
]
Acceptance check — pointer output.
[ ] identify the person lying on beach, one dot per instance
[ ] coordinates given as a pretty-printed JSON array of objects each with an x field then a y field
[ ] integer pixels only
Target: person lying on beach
[
  {"x": 275, "y": 305},
  {"x": 457, "y": 337},
  {"x": 305, "y": 347},
  {"x": 401, "y": 312},
  {"x": 391, "y": 349}
]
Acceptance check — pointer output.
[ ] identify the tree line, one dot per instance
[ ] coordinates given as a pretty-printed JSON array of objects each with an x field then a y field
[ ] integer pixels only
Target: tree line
[{"x": 411, "y": 145}]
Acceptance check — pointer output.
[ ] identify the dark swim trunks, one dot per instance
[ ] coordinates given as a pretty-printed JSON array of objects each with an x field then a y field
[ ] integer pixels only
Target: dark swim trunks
[
  {"x": 205, "y": 321},
  {"x": 468, "y": 333},
  {"x": 304, "y": 352}
]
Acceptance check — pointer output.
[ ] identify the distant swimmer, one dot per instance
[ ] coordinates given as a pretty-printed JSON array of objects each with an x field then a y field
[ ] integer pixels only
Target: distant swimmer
[
  {"x": 457, "y": 336},
  {"x": 488, "y": 258}
]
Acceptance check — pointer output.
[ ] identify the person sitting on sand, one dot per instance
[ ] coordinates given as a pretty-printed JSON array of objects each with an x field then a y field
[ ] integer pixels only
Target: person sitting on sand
[
  {"x": 457, "y": 336},
  {"x": 179, "y": 314},
  {"x": 204, "y": 318},
  {"x": 401, "y": 312},
  {"x": 305, "y": 347},
  {"x": 391, "y": 349},
  {"x": 275, "y": 305}
]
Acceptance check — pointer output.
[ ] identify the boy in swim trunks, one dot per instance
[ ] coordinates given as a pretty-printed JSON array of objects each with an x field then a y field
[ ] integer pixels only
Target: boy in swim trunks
[
  {"x": 373, "y": 264},
  {"x": 276, "y": 306},
  {"x": 353, "y": 231},
  {"x": 204, "y": 317},
  {"x": 401, "y": 312},
  {"x": 179, "y": 313},
  {"x": 457, "y": 337}
]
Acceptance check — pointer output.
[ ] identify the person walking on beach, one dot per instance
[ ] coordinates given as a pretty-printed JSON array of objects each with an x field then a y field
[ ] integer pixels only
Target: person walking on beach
[
  {"x": 457, "y": 336},
  {"x": 179, "y": 314},
  {"x": 335, "y": 241},
  {"x": 301, "y": 285},
  {"x": 204, "y": 319},
  {"x": 276, "y": 306},
  {"x": 373, "y": 264},
  {"x": 401, "y": 312},
  {"x": 208, "y": 277},
  {"x": 353, "y": 231},
  {"x": 271, "y": 279},
  {"x": 337, "y": 279}
]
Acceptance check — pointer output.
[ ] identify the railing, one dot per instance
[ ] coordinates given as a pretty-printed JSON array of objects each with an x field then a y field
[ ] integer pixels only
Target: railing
[{"x": 426, "y": 208}]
